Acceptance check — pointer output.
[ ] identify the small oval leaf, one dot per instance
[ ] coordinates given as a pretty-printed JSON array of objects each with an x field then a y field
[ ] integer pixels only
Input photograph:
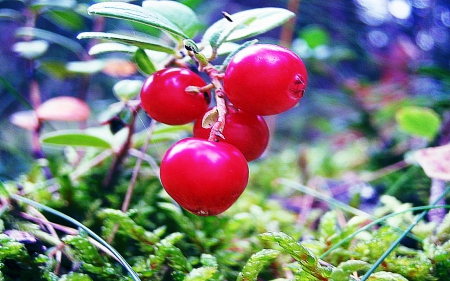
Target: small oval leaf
[
  {"x": 144, "y": 62},
  {"x": 25, "y": 119},
  {"x": 138, "y": 41},
  {"x": 435, "y": 161},
  {"x": 110, "y": 47},
  {"x": 315, "y": 36},
  {"x": 74, "y": 138},
  {"x": 135, "y": 13},
  {"x": 119, "y": 68},
  {"x": 178, "y": 13},
  {"x": 265, "y": 20},
  {"x": 419, "y": 121},
  {"x": 85, "y": 67},
  {"x": 125, "y": 90},
  {"x": 31, "y": 49},
  {"x": 63, "y": 108}
]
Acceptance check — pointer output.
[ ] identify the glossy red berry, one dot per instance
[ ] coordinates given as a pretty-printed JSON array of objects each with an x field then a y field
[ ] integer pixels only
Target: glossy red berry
[
  {"x": 265, "y": 79},
  {"x": 248, "y": 132},
  {"x": 204, "y": 177},
  {"x": 164, "y": 98}
]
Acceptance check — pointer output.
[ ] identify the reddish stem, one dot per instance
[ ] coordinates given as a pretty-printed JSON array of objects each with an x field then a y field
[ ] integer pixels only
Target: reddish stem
[{"x": 219, "y": 125}]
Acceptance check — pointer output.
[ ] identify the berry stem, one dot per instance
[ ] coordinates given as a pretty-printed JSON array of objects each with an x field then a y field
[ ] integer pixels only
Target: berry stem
[{"x": 219, "y": 125}]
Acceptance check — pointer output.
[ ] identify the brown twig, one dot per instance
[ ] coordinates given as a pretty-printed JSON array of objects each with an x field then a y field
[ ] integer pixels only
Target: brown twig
[
  {"x": 287, "y": 31},
  {"x": 132, "y": 184},
  {"x": 122, "y": 153}
]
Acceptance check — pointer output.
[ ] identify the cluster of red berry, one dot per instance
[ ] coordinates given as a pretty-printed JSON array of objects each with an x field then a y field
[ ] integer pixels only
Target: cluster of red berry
[{"x": 207, "y": 175}]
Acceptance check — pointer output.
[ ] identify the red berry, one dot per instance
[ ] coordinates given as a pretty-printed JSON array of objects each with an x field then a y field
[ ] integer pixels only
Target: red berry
[
  {"x": 164, "y": 98},
  {"x": 265, "y": 79},
  {"x": 248, "y": 132},
  {"x": 204, "y": 177}
]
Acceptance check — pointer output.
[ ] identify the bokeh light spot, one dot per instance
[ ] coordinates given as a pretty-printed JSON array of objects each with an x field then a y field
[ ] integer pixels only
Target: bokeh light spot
[{"x": 400, "y": 9}]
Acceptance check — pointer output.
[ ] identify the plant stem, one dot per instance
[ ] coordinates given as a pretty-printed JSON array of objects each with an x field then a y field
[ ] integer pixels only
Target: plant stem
[
  {"x": 137, "y": 167},
  {"x": 118, "y": 160},
  {"x": 219, "y": 125},
  {"x": 124, "y": 263},
  {"x": 437, "y": 188},
  {"x": 403, "y": 235},
  {"x": 288, "y": 28}
]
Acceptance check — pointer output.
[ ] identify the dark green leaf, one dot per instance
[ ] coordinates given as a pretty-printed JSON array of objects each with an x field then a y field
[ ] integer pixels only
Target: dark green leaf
[
  {"x": 141, "y": 42},
  {"x": 436, "y": 72},
  {"x": 55, "y": 68},
  {"x": 135, "y": 13},
  {"x": 75, "y": 138},
  {"x": 266, "y": 19},
  {"x": 51, "y": 37},
  {"x": 66, "y": 18},
  {"x": 420, "y": 121},
  {"x": 181, "y": 15},
  {"x": 143, "y": 61}
]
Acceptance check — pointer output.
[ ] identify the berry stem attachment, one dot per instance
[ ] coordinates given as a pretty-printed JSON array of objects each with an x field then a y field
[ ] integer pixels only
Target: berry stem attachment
[{"x": 219, "y": 125}]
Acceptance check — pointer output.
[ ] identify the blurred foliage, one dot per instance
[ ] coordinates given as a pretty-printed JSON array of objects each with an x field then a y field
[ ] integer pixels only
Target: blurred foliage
[{"x": 377, "y": 93}]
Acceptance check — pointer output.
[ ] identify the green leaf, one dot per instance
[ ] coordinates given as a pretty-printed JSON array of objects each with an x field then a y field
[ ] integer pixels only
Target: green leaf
[
  {"x": 50, "y": 37},
  {"x": 138, "y": 41},
  {"x": 67, "y": 19},
  {"x": 236, "y": 50},
  {"x": 256, "y": 263},
  {"x": 201, "y": 274},
  {"x": 135, "y": 13},
  {"x": 55, "y": 68},
  {"x": 353, "y": 265},
  {"x": 110, "y": 47},
  {"x": 179, "y": 14},
  {"x": 85, "y": 67},
  {"x": 296, "y": 250},
  {"x": 386, "y": 276},
  {"x": 74, "y": 276},
  {"x": 74, "y": 138},
  {"x": 436, "y": 72},
  {"x": 125, "y": 90},
  {"x": 221, "y": 37},
  {"x": 265, "y": 20},
  {"x": 42, "y": 4},
  {"x": 419, "y": 121},
  {"x": 315, "y": 36},
  {"x": 31, "y": 49},
  {"x": 127, "y": 226},
  {"x": 144, "y": 62}
]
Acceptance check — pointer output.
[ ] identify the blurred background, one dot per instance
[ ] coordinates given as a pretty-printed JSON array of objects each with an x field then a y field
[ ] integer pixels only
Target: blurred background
[{"x": 366, "y": 60}]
